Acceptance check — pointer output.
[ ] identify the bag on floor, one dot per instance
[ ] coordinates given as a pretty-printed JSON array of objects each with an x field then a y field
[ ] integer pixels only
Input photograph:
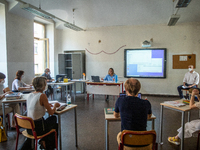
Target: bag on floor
[{"x": 3, "y": 136}]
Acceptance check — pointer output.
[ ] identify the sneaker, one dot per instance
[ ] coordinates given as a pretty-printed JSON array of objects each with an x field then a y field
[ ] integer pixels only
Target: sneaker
[
  {"x": 183, "y": 98},
  {"x": 173, "y": 140}
]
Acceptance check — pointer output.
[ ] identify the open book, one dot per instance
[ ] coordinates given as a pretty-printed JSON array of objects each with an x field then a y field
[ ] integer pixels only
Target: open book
[
  {"x": 62, "y": 105},
  {"x": 175, "y": 103}
]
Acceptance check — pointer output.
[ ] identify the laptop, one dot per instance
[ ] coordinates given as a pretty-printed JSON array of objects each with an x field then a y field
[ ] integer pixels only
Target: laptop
[{"x": 95, "y": 78}]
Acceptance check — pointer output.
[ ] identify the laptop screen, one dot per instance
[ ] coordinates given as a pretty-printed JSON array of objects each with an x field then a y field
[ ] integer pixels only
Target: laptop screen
[{"x": 95, "y": 79}]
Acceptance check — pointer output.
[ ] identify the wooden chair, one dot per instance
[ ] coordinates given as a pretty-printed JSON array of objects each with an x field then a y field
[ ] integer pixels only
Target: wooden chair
[
  {"x": 138, "y": 138},
  {"x": 28, "y": 123}
]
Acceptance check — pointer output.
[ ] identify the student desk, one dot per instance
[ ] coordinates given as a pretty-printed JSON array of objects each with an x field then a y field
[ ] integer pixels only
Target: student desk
[
  {"x": 111, "y": 118},
  {"x": 54, "y": 84},
  {"x": 104, "y": 88},
  {"x": 181, "y": 109},
  {"x": 59, "y": 113},
  {"x": 4, "y": 102},
  {"x": 80, "y": 81}
]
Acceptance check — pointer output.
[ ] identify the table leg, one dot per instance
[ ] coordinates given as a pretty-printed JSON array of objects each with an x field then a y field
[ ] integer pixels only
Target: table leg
[
  {"x": 21, "y": 108},
  {"x": 54, "y": 92},
  {"x": 87, "y": 96},
  {"x": 4, "y": 118},
  {"x": 84, "y": 85},
  {"x": 74, "y": 90},
  {"x": 59, "y": 134},
  {"x": 153, "y": 124},
  {"x": 161, "y": 124},
  {"x": 75, "y": 121},
  {"x": 188, "y": 116},
  {"x": 183, "y": 129},
  {"x": 107, "y": 134},
  {"x": 70, "y": 89}
]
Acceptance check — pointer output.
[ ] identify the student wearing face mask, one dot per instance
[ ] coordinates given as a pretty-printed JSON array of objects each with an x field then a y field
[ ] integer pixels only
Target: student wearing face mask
[
  {"x": 37, "y": 104},
  {"x": 191, "y": 80},
  {"x": 18, "y": 84},
  {"x": 49, "y": 79},
  {"x": 10, "y": 107}
]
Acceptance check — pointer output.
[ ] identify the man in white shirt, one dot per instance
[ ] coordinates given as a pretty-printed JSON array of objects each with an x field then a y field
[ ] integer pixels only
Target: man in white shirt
[{"x": 191, "y": 80}]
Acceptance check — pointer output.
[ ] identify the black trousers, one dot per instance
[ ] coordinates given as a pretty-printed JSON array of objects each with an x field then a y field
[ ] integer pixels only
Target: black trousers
[{"x": 42, "y": 126}]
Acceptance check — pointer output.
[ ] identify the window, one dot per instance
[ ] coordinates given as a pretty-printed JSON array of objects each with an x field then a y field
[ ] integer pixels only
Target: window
[{"x": 41, "y": 49}]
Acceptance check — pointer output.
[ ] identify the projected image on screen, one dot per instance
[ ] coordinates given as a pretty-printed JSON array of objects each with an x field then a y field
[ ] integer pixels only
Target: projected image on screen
[{"x": 147, "y": 63}]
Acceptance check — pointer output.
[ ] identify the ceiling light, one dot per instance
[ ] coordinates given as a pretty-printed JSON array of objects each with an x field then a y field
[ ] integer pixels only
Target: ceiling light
[
  {"x": 182, "y": 3},
  {"x": 173, "y": 20},
  {"x": 72, "y": 26},
  {"x": 36, "y": 11}
]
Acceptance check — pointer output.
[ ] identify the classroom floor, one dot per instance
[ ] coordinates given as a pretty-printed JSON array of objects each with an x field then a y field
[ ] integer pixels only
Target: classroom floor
[{"x": 91, "y": 125}]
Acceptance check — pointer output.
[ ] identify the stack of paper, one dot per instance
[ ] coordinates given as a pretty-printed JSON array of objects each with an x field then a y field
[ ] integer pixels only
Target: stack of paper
[
  {"x": 175, "y": 103},
  {"x": 15, "y": 95}
]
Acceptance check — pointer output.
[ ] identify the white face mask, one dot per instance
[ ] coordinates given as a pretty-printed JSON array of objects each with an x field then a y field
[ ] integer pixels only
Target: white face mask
[
  {"x": 49, "y": 73},
  {"x": 190, "y": 69},
  {"x": 46, "y": 87},
  {"x": 2, "y": 82}
]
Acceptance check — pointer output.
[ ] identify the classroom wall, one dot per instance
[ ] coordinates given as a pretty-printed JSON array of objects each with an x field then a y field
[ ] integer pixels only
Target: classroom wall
[
  {"x": 179, "y": 39},
  {"x": 20, "y": 47}
]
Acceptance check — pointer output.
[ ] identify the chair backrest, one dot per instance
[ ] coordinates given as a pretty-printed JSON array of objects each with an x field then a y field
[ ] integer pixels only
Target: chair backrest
[
  {"x": 139, "y": 138},
  {"x": 24, "y": 122}
]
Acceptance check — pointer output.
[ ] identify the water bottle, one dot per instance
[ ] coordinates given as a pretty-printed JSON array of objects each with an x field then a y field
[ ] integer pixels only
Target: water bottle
[
  {"x": 116, "y": 79},
  {"x": 68, "y": 99}
]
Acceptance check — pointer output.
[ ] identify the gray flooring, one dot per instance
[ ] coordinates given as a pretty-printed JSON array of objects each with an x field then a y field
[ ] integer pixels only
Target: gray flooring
[{"x": 91, "y": 125}]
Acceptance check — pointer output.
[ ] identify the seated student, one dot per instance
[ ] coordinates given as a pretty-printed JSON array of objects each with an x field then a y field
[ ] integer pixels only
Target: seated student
[
  {"x": 18, "y": 84},
  {"x": 9, "y": 107},
  {"x": 190, "y": 127},
  {"x": 49, "y": 79},
  {"x": 37, "y": 104},
  {"x": 133, "y": 111},
  {"x": 110, "y": 77}
]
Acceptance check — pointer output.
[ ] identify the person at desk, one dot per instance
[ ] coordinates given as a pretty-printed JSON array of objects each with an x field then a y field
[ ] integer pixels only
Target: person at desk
[
  {"x": 37, "y": 104},
  {"x": 18, "y": 84},
  {"x": 49, "y": 79},
  {"x": 8, "y": 108},
  {"x": 192, "y": 126},
  {"x": 110, "y": 77},
  {"x": 134, "y": 111},
  {"x": 191, "y": 80}
]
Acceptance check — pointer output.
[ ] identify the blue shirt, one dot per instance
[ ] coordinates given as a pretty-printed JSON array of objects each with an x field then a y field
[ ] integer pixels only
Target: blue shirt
[
  {"x": 133, "y": 112},
  {"x": 47, "y": 76},
  {"x": 109, "y": 78}
]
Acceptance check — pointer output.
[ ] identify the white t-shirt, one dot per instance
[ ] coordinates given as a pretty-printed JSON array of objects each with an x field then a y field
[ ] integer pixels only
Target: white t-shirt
[
  {"x": 34, "y": 109},
  {"x": 17, "y": 83},
  {"x": 191, "y": 78}
]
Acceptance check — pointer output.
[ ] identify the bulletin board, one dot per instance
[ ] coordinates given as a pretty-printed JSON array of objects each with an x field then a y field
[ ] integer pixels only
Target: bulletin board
[{"x": 183, "y": 61}]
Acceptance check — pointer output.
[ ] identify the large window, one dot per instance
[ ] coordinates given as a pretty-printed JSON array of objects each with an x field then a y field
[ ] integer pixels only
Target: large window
[{"x": 41, "y": 49}]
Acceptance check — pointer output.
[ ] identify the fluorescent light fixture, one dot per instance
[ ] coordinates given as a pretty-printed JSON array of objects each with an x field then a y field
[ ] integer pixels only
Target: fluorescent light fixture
[
  {"x": 182, "y": 3},
  {"x": 173, "y": 20},
  {"x": 36, "y": 11},
  {"x": 72, "y": 26}
]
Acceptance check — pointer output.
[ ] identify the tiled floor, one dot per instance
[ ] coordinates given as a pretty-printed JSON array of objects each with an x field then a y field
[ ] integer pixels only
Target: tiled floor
[{"x": 91, "y": 125}]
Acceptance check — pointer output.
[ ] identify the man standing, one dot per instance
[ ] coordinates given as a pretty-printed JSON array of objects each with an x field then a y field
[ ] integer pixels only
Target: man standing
[
  {"x": 133, "y": 111},
  {"x": 191, "y": 80},
  {"x": 49, "y": 79}
]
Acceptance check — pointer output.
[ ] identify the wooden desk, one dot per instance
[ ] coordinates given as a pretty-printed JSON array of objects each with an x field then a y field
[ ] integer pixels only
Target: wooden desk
[
  {"x": 104, "y": 88},
  {"x": 111, "y": 118},
  {"x": 4, "y": 101},
  {"x": 59, "y": 113},
  {"x": 54, "y": 84},
  {"x": 182, "y": 109},
  {"x": 81, "y": 81}
]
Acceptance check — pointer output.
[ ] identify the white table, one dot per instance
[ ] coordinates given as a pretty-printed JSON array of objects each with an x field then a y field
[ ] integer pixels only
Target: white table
[
  {"x": 111, "y": 118},
  {"x": 59, "y": 113},
  {"x": 182, "y": 109},
  {"x": 104, "y": 88},
  {"x": 81, "y": 81},
  {"x": 4, "y": 102},
  {"x": 66, "y": 84}
]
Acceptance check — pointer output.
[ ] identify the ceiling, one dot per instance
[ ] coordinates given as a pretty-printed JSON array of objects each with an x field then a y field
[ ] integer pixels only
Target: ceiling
[{"x": 104, "y": 13}]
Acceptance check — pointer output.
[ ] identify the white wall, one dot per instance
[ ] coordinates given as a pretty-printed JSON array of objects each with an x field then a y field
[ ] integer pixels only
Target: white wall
[
  {"x": 179, "y": 39},
  {"x": 20, "y": 47}
]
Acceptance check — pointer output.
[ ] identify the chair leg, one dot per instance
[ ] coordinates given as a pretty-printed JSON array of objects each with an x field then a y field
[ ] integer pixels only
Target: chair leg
[
  {"x": 8, "y": 117},
  {"x": 198, "y": 141},
  {"x": 56, "y": 140},
  {"x": 17, "y": 141},
  {"x": 36, "y": 144}
]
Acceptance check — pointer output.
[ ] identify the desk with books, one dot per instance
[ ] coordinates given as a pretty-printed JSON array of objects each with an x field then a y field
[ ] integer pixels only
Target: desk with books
[
  {"x": 104, "y": 88},
  {"x": 182, "y": 109},
  {"x": 109, "y": 117},
  {"x": 5, "y": 101}
]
